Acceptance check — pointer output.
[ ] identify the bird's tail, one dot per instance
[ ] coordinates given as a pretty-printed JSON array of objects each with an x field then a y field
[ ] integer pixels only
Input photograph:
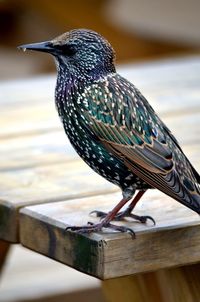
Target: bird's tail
[
  {"x": 183, "y": 191},
  {"x": 171, "y": 185},
  {"x": 196, "y": 174}
]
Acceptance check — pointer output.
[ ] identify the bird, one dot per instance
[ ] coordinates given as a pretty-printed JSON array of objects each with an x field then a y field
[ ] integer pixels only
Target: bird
[{"x": 114, "y": 129}]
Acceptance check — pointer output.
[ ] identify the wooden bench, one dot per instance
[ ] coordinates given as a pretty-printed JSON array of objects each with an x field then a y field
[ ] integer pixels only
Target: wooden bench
[{"x": 46, "y": 187}]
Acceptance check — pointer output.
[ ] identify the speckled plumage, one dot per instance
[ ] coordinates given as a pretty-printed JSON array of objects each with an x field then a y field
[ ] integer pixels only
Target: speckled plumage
[
  {"x": 86, "y": 143},
  {"x": 112, "y": 126}
]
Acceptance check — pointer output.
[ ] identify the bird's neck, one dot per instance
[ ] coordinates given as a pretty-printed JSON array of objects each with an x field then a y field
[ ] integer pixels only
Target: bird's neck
[
  {"x": 69, "y": 74},
  {"x": 67, "y": 87}
]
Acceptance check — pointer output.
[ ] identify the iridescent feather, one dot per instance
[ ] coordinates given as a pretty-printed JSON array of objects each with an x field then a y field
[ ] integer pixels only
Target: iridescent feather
[{"x": 130, "y": 129}]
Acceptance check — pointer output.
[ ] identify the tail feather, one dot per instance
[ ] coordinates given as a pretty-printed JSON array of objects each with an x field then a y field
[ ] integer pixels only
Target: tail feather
[
  {"x": 196, "y": 174},
  {"x": 169, "y": 184}
]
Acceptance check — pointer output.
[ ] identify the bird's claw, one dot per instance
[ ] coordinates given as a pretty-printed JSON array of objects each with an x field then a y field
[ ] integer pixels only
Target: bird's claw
[
  {"x": 124, "y": 214},
  {"x": 91, "y": 227},
  {"x": 142, "y": 219}
]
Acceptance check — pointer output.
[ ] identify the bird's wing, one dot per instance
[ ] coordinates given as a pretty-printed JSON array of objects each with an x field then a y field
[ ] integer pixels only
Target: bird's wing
[{"x": 117, "y": 113}]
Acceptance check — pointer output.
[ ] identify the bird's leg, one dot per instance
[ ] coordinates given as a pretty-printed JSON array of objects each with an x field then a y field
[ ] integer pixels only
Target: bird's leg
[
  {"x": 128, "y": 211},
  {"x": 105, "y": 223},
  {"x": 124, "y": 213}
]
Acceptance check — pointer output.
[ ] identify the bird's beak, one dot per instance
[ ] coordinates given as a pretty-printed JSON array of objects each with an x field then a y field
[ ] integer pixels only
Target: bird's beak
[{"x": 41, "y": 46}]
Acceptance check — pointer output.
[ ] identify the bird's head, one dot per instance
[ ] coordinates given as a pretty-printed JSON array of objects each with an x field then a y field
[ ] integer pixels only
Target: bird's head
[{"x": 81, "y": 52}]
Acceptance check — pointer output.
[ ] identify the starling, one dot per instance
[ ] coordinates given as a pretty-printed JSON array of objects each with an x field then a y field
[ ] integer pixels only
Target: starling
[{"x": 114, "y": 129}]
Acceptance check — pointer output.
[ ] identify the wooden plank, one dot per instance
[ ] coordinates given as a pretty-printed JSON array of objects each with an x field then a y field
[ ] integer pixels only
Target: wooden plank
[
  {"x": 43, "y": 117},
  {"x": 23, "y": 93},
  {"x": 28, "y": 106},
  {"x": 22, "y": 119},
  {"x": 44, "y": 184},
  {"x": 181, "y": 74},
  {"x": 53, "y": 147},
  {"x": 166, "y": 285},
  {"x": 53, "y": 182},
  {"x": 49, "y": 183},
  {"x": 109, "y": 254},
  {"x": 37, "y": 149},
  {"x": 29, "y": 117},
  {"x": 23, "y": 187},
  {"x": 21, "y": 184},
  {"x": 136, "y": 288},
  {"x": 185, "y": 126},
  {"x": 167, "y": 84}
]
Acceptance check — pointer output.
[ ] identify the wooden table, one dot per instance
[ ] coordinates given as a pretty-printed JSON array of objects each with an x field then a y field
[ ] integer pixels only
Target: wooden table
[{"x": 46, "y": 187}]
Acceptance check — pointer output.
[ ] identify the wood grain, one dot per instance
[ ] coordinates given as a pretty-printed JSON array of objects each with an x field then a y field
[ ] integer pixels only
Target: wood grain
[
  {"x": 44, "y": 184},
  {"x": 168, "y": 285},
  {"x": 136, "y": 288},
  {"x": 109, "y": 254},
  {"x": 38, "y": 165},
  {"x": 53, "y": 146},
  {"x": 35, "y": 150},
  {"x": 50, "y": 183},
  {"x": 28, "y": 105},
  {"x": 39, "y": 168}
]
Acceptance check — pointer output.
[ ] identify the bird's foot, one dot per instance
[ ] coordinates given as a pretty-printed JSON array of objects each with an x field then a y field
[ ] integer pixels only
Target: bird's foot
[
  {"x": 91, "y": 227},
  {"x": 125, "y": 214}
]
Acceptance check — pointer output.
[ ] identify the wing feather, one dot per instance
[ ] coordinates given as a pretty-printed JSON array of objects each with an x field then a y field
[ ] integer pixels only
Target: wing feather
[{"x": 127, "y": 125}]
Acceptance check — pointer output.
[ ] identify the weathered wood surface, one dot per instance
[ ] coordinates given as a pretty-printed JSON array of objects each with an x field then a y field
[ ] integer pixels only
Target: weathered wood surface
[
  {"x": 58, "y": 180},
  {"x": 41, "y": 184},
  {"x": 27, "y": 106},
  {"x": 34, "y": 150},
  {"x": 38, "y": 166},
  {"x": 168, "y": 285},
  {"x": 36, "y": 159},
  {"x": 175, "y": 239},
  {"x": 53, "y": 147}
]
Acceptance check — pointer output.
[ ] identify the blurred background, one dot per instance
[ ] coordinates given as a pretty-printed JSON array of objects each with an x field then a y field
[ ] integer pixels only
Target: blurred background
[{"x": 139, "y": 31}]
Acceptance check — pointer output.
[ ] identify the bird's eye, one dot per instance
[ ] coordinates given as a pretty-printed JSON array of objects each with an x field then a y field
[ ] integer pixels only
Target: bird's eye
[{"x": 67, "y": 50}]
